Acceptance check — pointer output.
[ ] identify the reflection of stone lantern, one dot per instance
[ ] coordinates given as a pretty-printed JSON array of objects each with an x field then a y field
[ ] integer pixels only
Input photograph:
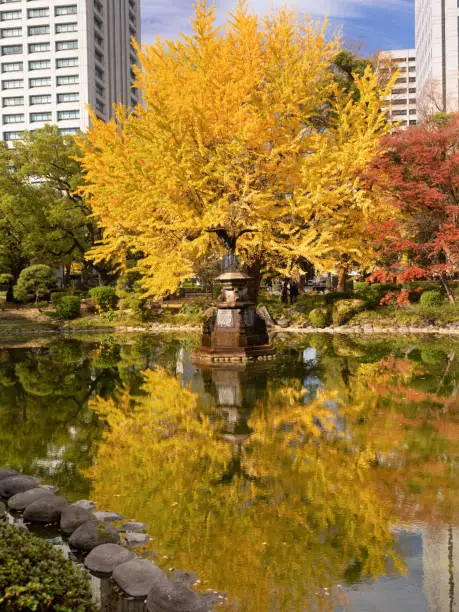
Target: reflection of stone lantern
[{"x": 235, "y": 333}]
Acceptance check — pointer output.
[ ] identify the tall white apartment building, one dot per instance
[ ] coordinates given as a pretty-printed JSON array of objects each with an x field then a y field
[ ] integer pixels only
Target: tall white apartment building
[
  {"x": 437, "y": 46},
  {"x": 401, "y": 103},
  {"x": 58, "y": 56}
]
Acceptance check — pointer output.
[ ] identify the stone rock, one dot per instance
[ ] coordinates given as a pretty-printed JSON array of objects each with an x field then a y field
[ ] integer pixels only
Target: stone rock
[
  {"x": 74, "y": 516},
  {"x": 137, "y": 577},
  {"x": 168, "y": 596},
  {"x": 50, "y": 488},
  {"x": 5, "y": 472},
  {"x": 133, "y": 526},
  {"x": 11, "y": 485},
  {"x": 263, "y": 312},
  {"x": 47, "y": 509},
  {"x": 185, "y": 577},
  {"x": 92, "y": 534},
  {"x": 22, "y": 500},
  {"x": 86, "y": 504},
  {"x": 134, "y": 540},
  {"x": 283, "y": 322},
  {"x": 103, "y": 559},
  {"x": 108, "y": 517}
]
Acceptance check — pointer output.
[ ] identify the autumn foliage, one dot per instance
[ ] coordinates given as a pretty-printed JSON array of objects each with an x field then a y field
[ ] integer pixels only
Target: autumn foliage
[
  {"x": 231, "y": 135},
  {"x": 417, "y": 176}
]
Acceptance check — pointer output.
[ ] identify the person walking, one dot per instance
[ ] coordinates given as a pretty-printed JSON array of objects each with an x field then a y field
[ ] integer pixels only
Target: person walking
[{"x": 293, "y": 292}]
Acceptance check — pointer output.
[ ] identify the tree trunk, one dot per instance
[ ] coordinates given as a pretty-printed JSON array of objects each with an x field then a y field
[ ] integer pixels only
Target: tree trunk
[
  {"x": 342, "y": 275},
  {"x": 254, "y": 271},
  {"x": 449, "y": 293}
]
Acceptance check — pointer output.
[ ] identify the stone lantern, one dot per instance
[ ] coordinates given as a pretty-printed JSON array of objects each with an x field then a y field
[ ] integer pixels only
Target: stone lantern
[{"x": 235, "y": 333}]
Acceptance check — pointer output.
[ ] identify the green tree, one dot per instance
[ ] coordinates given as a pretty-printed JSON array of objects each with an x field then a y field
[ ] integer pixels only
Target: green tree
[
  {"x": 41, "y": 218},
  {"x": 34, "y": 283}
]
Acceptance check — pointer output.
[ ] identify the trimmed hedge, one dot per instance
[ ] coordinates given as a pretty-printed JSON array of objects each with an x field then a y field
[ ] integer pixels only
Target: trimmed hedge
[
  {"x": 105, "y": 297},
  {"x": 372, "y": 293},
  {"x": 68, "y": 307},
  {"x": 319, "y": 317},
  {"x": 344, "y": 310},
  {"x": 431, "y": 298},
  {"x": 35, "y": 576}
]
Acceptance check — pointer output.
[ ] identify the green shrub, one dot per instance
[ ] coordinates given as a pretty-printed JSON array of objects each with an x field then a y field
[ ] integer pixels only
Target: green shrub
[
  {"x": 34, "y": 283},
  {"x": 35, "y": 576},
  {"x": 131, "y": 302},
  {"x": 56, "y": 296},
  {"x": 105, "y": 297},
  {"x": 431, "y": 298},
  {"x": 319, "y": 317},
  {"x": 68, "y": 307},
  {"x": 344, "y": 310},
  {"x": 372, "y": 293},
  {"x": 334, "y": 296}
]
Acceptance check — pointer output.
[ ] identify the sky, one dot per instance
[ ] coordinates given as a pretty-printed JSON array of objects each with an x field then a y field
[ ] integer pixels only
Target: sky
[{"x": 370, "y": 25}]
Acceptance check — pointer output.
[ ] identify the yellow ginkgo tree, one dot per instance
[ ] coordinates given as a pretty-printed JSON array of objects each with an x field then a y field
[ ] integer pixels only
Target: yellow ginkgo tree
[{"x": 242, "y": 129}]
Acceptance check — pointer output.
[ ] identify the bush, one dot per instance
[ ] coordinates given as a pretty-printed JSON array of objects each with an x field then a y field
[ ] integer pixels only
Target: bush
[
  {"x": 431, "y": 298},
  {"x": 34, "y": 283},
  {"x": 372, "y": 293},
  {"x": 68, "y": 307},
  {"x": 319, "y": 317},
  {"x": 35, "y": 576},
  {"x": 344, "y": 310},
  {"x": 334, "y": 296},
  {"x": 105, "y": 297},
  {"x": 56, "y": 296}
]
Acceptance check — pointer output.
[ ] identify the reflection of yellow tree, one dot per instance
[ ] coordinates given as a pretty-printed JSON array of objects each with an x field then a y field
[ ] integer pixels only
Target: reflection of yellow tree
[{"x": 274, "y": 520}]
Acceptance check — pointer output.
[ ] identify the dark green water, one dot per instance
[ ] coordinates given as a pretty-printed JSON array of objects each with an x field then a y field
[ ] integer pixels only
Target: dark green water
[{"x": 327, "y": 480}]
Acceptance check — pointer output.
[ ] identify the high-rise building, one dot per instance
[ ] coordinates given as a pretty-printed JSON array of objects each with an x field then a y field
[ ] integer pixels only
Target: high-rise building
[
  {"x": 401, "y": 103},
  {"x": 59, "y": 56},
  {"x": 437, "y": 52}
]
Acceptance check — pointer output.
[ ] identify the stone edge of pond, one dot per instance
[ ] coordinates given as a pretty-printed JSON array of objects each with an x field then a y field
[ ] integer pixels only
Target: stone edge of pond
[
  {"x": 135, "y": 578},
  {"x": 366, "y": 329}
]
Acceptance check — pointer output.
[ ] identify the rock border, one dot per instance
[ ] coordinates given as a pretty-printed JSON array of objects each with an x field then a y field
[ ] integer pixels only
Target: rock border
[{"x": 106, "y": 554}]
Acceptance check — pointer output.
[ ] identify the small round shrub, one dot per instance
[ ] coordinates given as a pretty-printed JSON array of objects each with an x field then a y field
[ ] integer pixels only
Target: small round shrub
[
  {"x": 56, "y": 296},
  {"x": 105, "y": 297},
  {"x": 34, "y": 283},
  {"x": 431, "y": 298},
  {"x": 68, "y": 307},
  {"x": 344, "y": 310},
  {"x": 35, "y": 576},
  {"x": 319, "y": 317}
]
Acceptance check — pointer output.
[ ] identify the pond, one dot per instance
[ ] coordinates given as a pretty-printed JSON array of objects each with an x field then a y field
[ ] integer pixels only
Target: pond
[{"x": 325, "y": 480}]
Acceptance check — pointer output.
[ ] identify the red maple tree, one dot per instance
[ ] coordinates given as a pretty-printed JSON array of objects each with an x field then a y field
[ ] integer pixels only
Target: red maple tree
[{"x": 417, "y": 175}]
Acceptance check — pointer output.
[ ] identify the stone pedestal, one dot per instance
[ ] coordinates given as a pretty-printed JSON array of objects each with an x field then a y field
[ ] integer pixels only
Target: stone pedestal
[{"x": 235, "y": 333}]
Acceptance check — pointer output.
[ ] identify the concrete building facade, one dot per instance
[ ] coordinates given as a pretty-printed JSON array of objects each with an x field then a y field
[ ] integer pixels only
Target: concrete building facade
[
  {"x": 58, "y": 56},
  {"x": 402, "y": 101},
  {"x": 437, "y": 47}
]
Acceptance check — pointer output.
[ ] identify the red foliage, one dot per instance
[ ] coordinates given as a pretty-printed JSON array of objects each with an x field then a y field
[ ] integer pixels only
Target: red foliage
[{"x": 418, "y": 175}]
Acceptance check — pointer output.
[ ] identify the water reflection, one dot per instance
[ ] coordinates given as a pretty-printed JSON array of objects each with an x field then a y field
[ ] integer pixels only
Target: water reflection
[{"x": 326, "y": 481}]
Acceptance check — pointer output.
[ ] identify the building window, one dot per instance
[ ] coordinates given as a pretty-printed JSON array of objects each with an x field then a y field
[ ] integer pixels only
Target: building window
[
  {"x": 413, "y": 122},
  {"x": 100, "y": 106},
  {"x": 10, "y": 15},
  {"x": 37, "y": 12},
  {"x": 63, "y": 28},
  {"x": 99, "y": 57},
  {"x": 40, "y": 117},
  {"x": 12, "y": 67},
  {"x": 68, "y": 97},
  {"x": 100, "y": 90},
  {"x": 68, "y": 114},
  {"x": 413, "y": 111},
  {"x": 67, "y": 131},
  {"x": 11, "y": 49},
  {"x": 39, "y": 64},
  {"x": 44, "y": 99},
  {"x": 398, "y": 113},
  {"x": 13, "y": 101},
  {"x": 67, "y": 62},
  {"x": 19, "y": 118},
  {"x": 66, "y": 45},
  {"x": 39, "y": 47},
  {"x": 11, "y": 32},
  {"x": 16, "y": 84},
  {"x": 40, "y": 82},
  {"x": 71, "y": 79},
  {"x": 71, "y": 9},
  {"x": 38, "y": 30},
  {"x": 12, "y": 136}
]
